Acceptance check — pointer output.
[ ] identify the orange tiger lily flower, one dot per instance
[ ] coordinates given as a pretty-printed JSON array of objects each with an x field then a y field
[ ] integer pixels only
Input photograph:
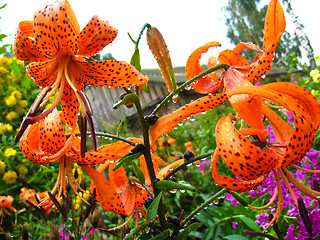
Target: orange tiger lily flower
[
  {"x": 5, "y": 202},
  {"x": 46, "y": 142},
  {"x": 59, "y": 54},
  {"x": 241, "y": 73},
  {"x": 122, "y": 194},
  {"x": 252, "y": 161},
  {"x": 275, "y": 25},
  {"x": 40, "y": 198}
]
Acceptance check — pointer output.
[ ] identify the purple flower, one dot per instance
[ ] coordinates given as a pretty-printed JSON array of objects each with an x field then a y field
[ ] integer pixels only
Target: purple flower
[
  {"x": 262, "y": 220},
  {"x": 234, "y": 225}
]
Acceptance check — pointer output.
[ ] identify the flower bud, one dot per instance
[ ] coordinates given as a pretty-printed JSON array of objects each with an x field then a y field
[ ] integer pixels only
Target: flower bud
[{"x": 160, "y": 52}]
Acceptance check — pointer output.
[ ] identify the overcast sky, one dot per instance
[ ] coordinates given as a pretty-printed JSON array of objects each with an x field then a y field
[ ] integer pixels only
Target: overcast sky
[{"x": 185, "y": 25}]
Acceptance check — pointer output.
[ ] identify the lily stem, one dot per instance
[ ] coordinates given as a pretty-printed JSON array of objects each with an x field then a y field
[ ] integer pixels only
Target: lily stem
[
  {"x": 199, "y": 157},
  {"x": 203, "y": 205},
  {"x": 149, "y": 162},
  {"x": 109, "y": 135},
  {"x": 168, "y": 97}
]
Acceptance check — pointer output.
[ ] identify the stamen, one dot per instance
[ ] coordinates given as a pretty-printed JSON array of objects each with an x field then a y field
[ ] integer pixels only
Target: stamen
[
  {"x": 123, "y": 224},
  {"x": 58, "y": 205},
  {"x": 280, "y": 199},
  {"x": 35, "y": 107},
  {"x": 304, "y": 215},
  {"x": 275, "y": 194},
  {"x": 288, "y": 186},
  {"x": 276, "y": 228},
  {"x": 305, "y": 190},
  {"x": 63, "y": 150},
  {"x": 304, "y": 169},
  {"x": 83, "y": 140}
]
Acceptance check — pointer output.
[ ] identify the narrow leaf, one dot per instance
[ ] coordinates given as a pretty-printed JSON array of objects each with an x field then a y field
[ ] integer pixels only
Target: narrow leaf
[
  {"x": 125, "y": 159},
  {"x": 185, "y": 233},
  {"x": 161, "y": 236},
  {"x": 250, "y": 223},
  {"x": 153, "y": 208},
  {"x": 138, "y": 173},
  {"x": 135, "y": 59},
  {"x": 169, "y": 185},
  {"x": 128, "y": 99}
]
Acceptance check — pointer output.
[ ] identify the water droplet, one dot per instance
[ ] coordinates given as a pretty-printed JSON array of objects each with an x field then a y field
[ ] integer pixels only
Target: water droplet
[
  {"x": 204, "y": 112},
  {"x": 173, "y": 191},
  {"x": 180, "y": 124},
  {"x": 189, "y": 165},
  {"x": 188, "y": 87},
  {"x": 192, "y": 118},
  {"x": 263, "y": 76},
  {"x": 182, "y": 190}
]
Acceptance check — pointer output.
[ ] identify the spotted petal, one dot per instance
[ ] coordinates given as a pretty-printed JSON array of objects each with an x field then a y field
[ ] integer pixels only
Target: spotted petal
[
  {"x": 111, "y": 73},
  {"x": 24, "y": 46},
  {"x": 209, "y": 83},
  {"x": 166, "y": 123},
  {"x": 232, "y": 183},
  {"x": 56, "y": 29},
  {"x": 243, "y": 158},
  {"x": 95, "y": 36}
]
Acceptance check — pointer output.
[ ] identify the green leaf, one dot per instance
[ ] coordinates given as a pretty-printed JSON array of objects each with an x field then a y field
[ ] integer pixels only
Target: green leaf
[
  {"x": 173, "y": 79},
  {"x": 185, "y": 233},
  {"x": 128, "y": 100},
  {"x": 138, "y": 172},
  {"x": 235, "y": 237},
  {"x": 3, "y": 5},
  {"x": 169, "y": 185},
  {"x": 161, "y": 236},
  {"x": 153, "y": 208},
  {"x": 119, "y": 127},
  {"x": 250, "y": 223},
  {"x": 240, "y": 199},
  {"x": 125, "y": 159},
  {"x": 135, "y": 59}
]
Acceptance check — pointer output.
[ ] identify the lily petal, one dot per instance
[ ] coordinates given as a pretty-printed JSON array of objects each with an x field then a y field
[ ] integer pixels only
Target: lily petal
[
  {"x": 56, "y": 28},
  {"x": 95, "y": 36},
  {"x": 111, "y": 73},
  {"x": 232, "y": 183},
  {"x": 243, "y": 158},
  {"x": 209, "y": 83},
  {"x": 166, "y": 123},
  {"x": 24, "y": 46},
  {"x": 43, "y": 73}
]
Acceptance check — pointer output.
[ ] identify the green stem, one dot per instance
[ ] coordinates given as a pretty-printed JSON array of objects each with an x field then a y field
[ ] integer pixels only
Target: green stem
[
  {"x": 203, "y": 205},
  {"x": 147, "y": 25},
  {"x": 168, "y": 97},
  {"x": 147, "y": 156},
  {"x": 199, "y": 157},
  {"x": 109, "y": 135}
]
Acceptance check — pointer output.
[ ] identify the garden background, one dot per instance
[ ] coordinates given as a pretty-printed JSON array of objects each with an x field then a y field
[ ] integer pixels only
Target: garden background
[{"x": 225, "y": 218}]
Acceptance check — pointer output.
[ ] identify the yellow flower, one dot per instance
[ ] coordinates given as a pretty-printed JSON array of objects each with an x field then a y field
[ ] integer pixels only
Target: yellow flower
[
  {"x": 10, "y": 177},
  {"x": 3, "y": 129},
  {"x": 10, "y": 101},
  {"x": 5, "y": 61},
  {"x": 315, "y": 93},
  {"x": 3, "y": 70},
  {"x": 11, "y": 115},
  {"x": 10, "y": 152},
  {"x": 316, "y": 78},
  {"x": 16, "y": 94},
  {"x": 314, "y": 72},
  {"x": 2, "y": 167},
  {"x": 23, "y": 103},
  {"x": 22, "y": 169}
]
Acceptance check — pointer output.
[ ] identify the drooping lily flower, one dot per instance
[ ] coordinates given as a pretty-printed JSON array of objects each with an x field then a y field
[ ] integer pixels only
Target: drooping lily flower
[
  {"x": 241, "y": 73},
  {"x": 36, "y": 198},
  {"x": 46, "y": 142},
  {"x": 5, "y": 202},
  {"x": 60, "y": 55},
  {"x": 122, "y": 194},
  {"x": 252, "y": 160}
]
